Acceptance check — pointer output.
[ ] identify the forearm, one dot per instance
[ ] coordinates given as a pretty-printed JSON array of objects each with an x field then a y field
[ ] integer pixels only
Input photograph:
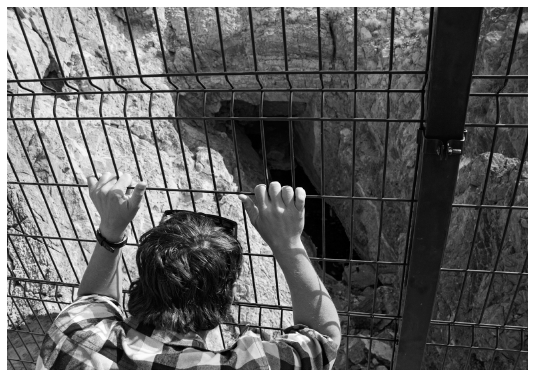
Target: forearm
[
  {"x": 312, "y": 304},
  {"x": 103, "y": 275},
  {"x": 116, "y": 209},
  {"x": 280, "y": 219}
]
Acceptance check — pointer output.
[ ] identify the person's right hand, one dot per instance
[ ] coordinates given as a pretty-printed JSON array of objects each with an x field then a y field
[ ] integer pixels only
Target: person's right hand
[
  {"x": 116, "y": 205},
  {"x": 279, "y": 218}
]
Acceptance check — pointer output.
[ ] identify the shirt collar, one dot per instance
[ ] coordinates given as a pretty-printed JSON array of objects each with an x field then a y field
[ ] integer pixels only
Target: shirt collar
[{"x": 169, "y": 337}]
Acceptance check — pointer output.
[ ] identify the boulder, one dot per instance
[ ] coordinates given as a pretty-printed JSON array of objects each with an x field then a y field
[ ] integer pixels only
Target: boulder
[
  {"x": 357, "y": 350},
  {"x": 362, "y": 276},
  {"x": 383, "y": 351}
]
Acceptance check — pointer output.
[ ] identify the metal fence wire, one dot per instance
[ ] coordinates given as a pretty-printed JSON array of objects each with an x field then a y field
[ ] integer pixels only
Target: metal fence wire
[{"x": 205, "y": 103}]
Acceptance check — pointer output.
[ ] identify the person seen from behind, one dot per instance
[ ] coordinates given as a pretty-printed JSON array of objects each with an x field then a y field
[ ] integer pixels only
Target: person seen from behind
[{"x": 188, "y": 267}]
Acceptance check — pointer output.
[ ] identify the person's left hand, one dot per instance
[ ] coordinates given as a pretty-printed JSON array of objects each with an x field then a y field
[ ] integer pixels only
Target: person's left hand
[{"x": 116, "y": 206}]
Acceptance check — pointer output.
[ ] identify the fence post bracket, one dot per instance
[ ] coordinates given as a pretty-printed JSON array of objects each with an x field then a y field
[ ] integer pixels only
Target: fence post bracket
[{"x": 442, "y": 148}]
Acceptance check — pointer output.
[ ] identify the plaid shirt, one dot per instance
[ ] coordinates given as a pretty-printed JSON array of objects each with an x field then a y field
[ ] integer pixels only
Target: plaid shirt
[{"x": 92, "y": 333}]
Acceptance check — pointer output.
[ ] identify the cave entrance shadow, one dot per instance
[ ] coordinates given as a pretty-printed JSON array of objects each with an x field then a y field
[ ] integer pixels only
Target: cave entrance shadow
[
  {"x": 277, "y": 150},
  {"x": 336, "y": 241}
]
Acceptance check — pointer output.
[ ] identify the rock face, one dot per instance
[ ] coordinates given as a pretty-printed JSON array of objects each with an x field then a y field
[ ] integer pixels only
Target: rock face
[
  {"x": 167, "y": 151},
  {"x": 37, "y": 153}
]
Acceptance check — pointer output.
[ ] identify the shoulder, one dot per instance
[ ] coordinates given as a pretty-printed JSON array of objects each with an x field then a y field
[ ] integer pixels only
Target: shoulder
[
  {"x": 299, "y": 347},
  {"x": 84, "y": 328},
  {"x": 87, "y": 311},
  {"x": 91, "y": 306}
]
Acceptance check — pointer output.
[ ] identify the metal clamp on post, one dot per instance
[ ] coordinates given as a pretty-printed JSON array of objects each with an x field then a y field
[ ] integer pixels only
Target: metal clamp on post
[{"x": 440, "y": 147}]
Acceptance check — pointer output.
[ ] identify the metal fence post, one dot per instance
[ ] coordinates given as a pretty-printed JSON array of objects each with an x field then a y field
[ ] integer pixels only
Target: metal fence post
[{"x": 455, "y": 39}]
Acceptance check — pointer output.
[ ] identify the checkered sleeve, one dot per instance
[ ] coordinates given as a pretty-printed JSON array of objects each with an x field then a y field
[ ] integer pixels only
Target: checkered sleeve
[
  {"x": 301, "y": 348},
  {"x": 88, "y": 321}
]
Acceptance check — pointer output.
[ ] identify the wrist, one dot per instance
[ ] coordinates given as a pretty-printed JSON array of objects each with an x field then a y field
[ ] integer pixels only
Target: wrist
[
  {"x": 286, "y": 244},
  {"x": 287, "y": 250},
  {"x": 112, "y": 235}
]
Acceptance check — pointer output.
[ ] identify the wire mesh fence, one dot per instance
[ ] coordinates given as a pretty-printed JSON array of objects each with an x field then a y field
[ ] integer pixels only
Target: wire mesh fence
[
  {"x": 203, "y": 104},
  {"x": 478, "y": 331}
]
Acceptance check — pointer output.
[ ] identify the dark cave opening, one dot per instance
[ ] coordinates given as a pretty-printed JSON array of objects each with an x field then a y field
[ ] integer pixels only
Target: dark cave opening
[
  {"x": 276, "y": 140},
  {"x": 336, "y": 241},
  {"x": 56, "y": 85},
  {"x": 278, "y": 156}
]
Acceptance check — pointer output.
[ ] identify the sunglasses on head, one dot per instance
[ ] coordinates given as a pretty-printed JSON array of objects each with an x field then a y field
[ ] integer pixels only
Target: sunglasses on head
[{"x": 230, "y": 226}]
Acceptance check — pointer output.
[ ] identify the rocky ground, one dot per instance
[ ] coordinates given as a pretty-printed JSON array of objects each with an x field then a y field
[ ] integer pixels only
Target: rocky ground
[{"x": 165, "y": 149}]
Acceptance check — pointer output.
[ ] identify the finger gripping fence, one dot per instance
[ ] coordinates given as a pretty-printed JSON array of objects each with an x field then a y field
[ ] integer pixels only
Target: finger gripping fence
[{"x": 424, "y": 254}]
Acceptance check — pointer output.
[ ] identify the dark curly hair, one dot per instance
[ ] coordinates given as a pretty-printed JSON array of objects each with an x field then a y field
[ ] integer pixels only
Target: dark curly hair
[{"x": 187, "y": 270}]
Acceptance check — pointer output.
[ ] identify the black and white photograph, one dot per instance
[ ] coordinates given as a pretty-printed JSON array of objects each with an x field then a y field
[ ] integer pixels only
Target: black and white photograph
[{"x": 211, "y": 188}]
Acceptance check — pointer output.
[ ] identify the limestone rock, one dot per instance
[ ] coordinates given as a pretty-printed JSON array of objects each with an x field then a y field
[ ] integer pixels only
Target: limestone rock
[
  {"x": 382, "y": 350},
  {"x": 362, "y": 276},
  {"x": 342, "y": 358},
  {"x": 365, "y": 34},
  {"x": 91, "y": 145},
  {"x": 357, "y": 350},
  {"x": 488, "y": 246}
]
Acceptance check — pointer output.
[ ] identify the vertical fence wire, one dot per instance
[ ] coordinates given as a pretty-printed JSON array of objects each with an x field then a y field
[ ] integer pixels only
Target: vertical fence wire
[
  {"x": 410, "y": 228},
  {"x": 502, "y": 241},
  {"x": 28, "y": 159},
  {"x": 352, "y": 207},
  {"x": 487, "y": 174},
  {"x": 383, "y": 182},
  {"x": 322, "y": 147},
  {"x": 513, "y": 197},
  {"x": 60, "y": 66},
  {"x": 39, "y": 134},
  {"x": 20, "y": 224}
]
